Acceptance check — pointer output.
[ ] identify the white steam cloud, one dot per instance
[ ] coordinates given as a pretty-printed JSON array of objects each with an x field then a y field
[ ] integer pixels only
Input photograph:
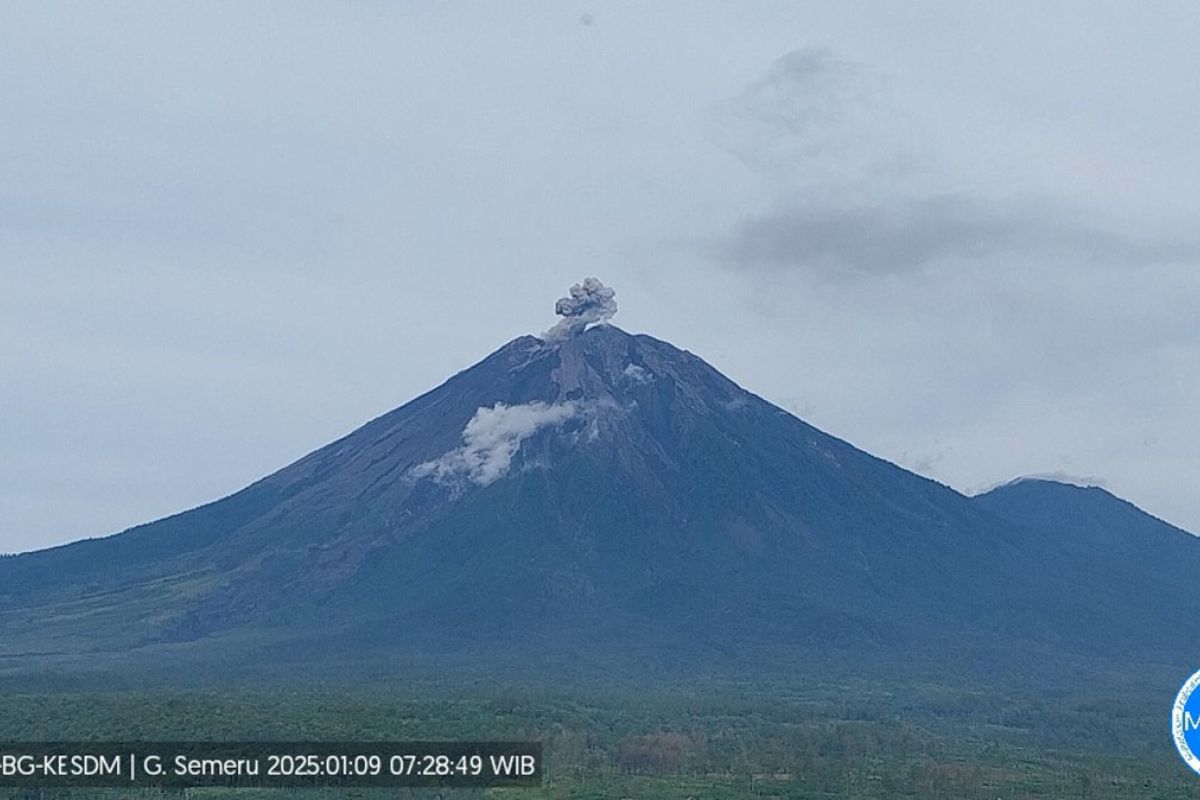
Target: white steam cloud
[
  {"x": 638, "y": 374},
  {"x": 590, "y": 301},
  {"x": 1082, "y": 481},
  {"x": 491, "y": 439}
]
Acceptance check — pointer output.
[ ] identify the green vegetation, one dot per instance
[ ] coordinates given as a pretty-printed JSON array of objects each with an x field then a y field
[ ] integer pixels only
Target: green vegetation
[{"x": 704, "y": 740}]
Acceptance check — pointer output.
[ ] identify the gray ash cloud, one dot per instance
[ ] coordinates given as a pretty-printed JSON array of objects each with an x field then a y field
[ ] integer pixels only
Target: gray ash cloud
[{"x": 588, "y": 302}]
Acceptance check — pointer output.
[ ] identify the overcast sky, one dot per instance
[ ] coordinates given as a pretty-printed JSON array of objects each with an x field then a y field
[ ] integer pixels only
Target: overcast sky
[{"x": 961, "y": 236}]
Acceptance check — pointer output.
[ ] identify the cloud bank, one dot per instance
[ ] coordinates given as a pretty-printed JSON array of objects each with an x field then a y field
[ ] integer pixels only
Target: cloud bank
[
  {"x": 908, "y": 234},
  {"x": 490, "y": 440}
]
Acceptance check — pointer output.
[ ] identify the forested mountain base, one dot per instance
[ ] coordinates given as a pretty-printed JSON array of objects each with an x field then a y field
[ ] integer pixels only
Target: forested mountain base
[{"x": 713, "y": 740}]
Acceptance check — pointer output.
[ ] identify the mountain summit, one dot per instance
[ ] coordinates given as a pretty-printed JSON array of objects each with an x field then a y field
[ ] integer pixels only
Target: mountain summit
[{"x": 604, "y": 496}]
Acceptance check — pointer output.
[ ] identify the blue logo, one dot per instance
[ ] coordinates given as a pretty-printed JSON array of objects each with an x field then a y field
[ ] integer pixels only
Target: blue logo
[{"x": 1185, "y": 723}]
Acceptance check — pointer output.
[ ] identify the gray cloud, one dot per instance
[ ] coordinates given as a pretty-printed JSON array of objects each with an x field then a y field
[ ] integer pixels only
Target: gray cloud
[
  {"x": 906, "y": 234},
  {"x": 861, "y": 188}
]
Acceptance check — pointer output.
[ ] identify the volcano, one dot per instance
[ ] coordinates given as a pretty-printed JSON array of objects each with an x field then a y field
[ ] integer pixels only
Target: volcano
[{"x": 595, "y": 495}]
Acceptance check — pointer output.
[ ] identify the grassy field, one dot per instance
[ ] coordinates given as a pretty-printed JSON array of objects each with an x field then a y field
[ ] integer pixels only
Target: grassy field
[{"x": 703, "y": 739}]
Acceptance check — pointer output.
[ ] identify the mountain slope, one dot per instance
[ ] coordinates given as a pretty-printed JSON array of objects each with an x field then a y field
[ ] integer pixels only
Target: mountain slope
[
  {"x": 1145, "y": 564},
  {"x": 595, "y": 491}
]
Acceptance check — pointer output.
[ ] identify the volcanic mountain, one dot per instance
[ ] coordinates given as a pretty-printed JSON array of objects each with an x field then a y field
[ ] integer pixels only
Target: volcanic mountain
[{"x": 601, "y": 496}]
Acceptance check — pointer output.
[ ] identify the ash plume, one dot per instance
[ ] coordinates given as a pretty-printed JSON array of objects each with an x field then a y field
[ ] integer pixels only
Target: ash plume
[{"x": 588, "y": 302}]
